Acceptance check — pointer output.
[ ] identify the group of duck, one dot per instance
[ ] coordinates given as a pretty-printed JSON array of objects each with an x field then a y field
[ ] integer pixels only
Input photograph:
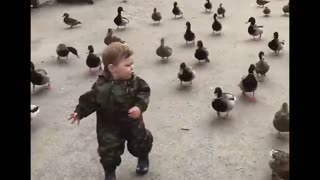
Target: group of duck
[{"x": 224, "y": 102}]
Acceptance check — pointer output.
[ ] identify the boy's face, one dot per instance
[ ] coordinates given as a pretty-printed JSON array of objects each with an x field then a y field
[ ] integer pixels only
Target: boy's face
[{"x": 124, "y": 70}]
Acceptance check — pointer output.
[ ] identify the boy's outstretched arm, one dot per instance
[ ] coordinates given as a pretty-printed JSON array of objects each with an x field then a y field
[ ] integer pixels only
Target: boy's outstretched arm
[
  {"x": 143, "y": 95},
  {"x": 87, "y": 103}
]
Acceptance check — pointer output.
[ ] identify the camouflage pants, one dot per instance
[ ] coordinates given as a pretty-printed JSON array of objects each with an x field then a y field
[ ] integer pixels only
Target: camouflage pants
[{"x": 112, "y": 142}]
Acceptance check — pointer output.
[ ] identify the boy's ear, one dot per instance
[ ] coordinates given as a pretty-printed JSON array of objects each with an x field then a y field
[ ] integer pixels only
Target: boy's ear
[{"x": 110, "y": 67}]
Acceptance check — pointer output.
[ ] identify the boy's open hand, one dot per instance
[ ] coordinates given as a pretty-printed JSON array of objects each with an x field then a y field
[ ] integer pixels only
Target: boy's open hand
[
  {"x": 74, "y": 116},
  {"x": 134, "y": 112}
]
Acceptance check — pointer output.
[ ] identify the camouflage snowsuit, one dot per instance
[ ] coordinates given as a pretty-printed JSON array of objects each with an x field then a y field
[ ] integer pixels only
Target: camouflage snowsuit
[{"x": 112, "y": 100}]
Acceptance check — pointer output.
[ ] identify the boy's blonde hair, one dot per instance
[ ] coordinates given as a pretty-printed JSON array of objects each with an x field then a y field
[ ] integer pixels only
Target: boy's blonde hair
[{"x": 114, "y": 53}]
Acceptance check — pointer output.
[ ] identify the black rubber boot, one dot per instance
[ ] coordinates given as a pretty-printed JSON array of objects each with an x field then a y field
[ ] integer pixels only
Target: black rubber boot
[
  {"x": 111, "y": 175},
  {"x": 142, "y": 166}
]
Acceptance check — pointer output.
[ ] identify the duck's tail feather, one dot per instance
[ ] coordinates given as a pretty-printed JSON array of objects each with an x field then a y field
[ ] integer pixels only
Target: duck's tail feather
[{"x": 73, "y": 51}]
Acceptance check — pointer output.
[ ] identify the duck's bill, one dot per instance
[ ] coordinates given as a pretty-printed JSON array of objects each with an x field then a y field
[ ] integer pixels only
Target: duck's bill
[{"x": 247, "y": 22}]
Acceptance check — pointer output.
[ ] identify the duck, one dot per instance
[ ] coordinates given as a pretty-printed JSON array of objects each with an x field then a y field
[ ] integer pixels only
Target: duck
[
  {"x": 189, "y": 35},
  {"x": 163, "y": 51},
  {"x": 279, "y": 164},
  {"x": 281, "y": 119},
  {"x": 266, "y": 11},
  {"x": 186, "y": 74},
  {"x": 176, "y": 10},
  {"x": 39, "y": 77},
  {"x": 70, "y": 21},
  {"x": 262, "y": 3},
  {"x": 93, "y": 61},
  {"x": 224, "y": 102},
  {"x": 110, "y": 38},
  {"x": 249, "y": 83},
  {"x": 208, "y": 5},
  {"x": 253, "y": 29},
  {"x": 221, "y": 10},
  {"x": 285, "y": 9},
  {"x": 262, "y": 67},
  {"x": 275, "y": 44},
  {"x": 216, "y": 26},
  {"x": 202, "y": 52},
  {"x": 119, "y": 20},
  {"x": 34, "y": 111},
  {"x": 156, "y": 16},
  {"x": 63, "y": 51}
]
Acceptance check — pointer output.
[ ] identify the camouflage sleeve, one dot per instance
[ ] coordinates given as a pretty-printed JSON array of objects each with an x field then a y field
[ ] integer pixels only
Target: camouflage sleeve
[
  {"x": 87, "y": 103},
  {"x": 143, "y": 95}
]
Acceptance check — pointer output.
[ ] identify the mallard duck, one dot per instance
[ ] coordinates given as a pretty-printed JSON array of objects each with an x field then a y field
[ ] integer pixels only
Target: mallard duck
[
  {"x": 156, "y": 16},
  {"x": 186, "y": 74},
  {"x": 224, "y": 102},
  {"x": 70, "y": 21},
  {"x": 275, "y": 44},
  {"x": 208, "y": 5},
  {"x": 253, "y": 29},
  {"x": 202, "y": 52},
  {"x": 63, "y": 51},
  {"x": 164, "y": 51},
  {"x": 280, "y": 164},
  {"x": 266, "y": 11},
  {"x": 221, "y": 10},
  {"x": 281, "y": 119},
  {"x": 216, "y": 25},
  {"x": 249, "y": 83},
  {"x": 176, "y": 10},
  {"x": 119, "y": 20},
  {"x": 110, "y": 38},
  {"x": 34, "y": 111},
  {"x": 189, "y": 35},
  {"x": 39, "y": 77},
  {"x": 262, "y": 3},
  {"x": 285, "y": 9},
  {"x": 262, "y": 67},
  {"x": 93, "y": 61}
]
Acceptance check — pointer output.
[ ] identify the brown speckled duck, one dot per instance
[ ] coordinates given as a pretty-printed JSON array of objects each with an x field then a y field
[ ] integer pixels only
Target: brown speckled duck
[
  {"x": 249, "y": 83},
  {"x": 261, "y": 3},
  {"x": 63, "y": 51},
  {"x": 208, "y": 5},
  {"x": 285, "y": 9},
  {"x": 156, "y": 16},
  {"x": 279, "y": 164},
  {"x": 186, "y": 74},
  {"x": 202, "y": 52},
  {"x": 164, "y": 51},
  {"x": 221, "y": 11},
  {"x": 276, "y": 45},
  {"x": 281, "y": 119},
  {"x": 110, "y": 38},
  {"x": 266, "y": 11},
  {"x": 177, "y": 11},
  {"x": 39, "y": 77},
  {"x": 119, "y": 20},
  {"x": 70, "y": 21},
  {"x": 262, "y": 67}
]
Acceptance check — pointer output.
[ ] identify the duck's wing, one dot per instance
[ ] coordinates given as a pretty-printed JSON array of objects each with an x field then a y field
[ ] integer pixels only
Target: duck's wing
[
  {"x": 71, "y": 21},
  {"x": 180, "y": 10},
  {"x": 42, "y": 72},
  {"x": 73, "y": 51},
  {"x": 125, "y": 20}
]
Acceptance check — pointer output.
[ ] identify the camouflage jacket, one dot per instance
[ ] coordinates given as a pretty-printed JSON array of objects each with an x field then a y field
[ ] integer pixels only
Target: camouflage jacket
[{"x": 112, "y": 99}]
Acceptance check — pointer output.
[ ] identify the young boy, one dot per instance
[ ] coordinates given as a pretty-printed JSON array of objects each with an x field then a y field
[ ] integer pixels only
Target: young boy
[{"x": 119, "y": 98}]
